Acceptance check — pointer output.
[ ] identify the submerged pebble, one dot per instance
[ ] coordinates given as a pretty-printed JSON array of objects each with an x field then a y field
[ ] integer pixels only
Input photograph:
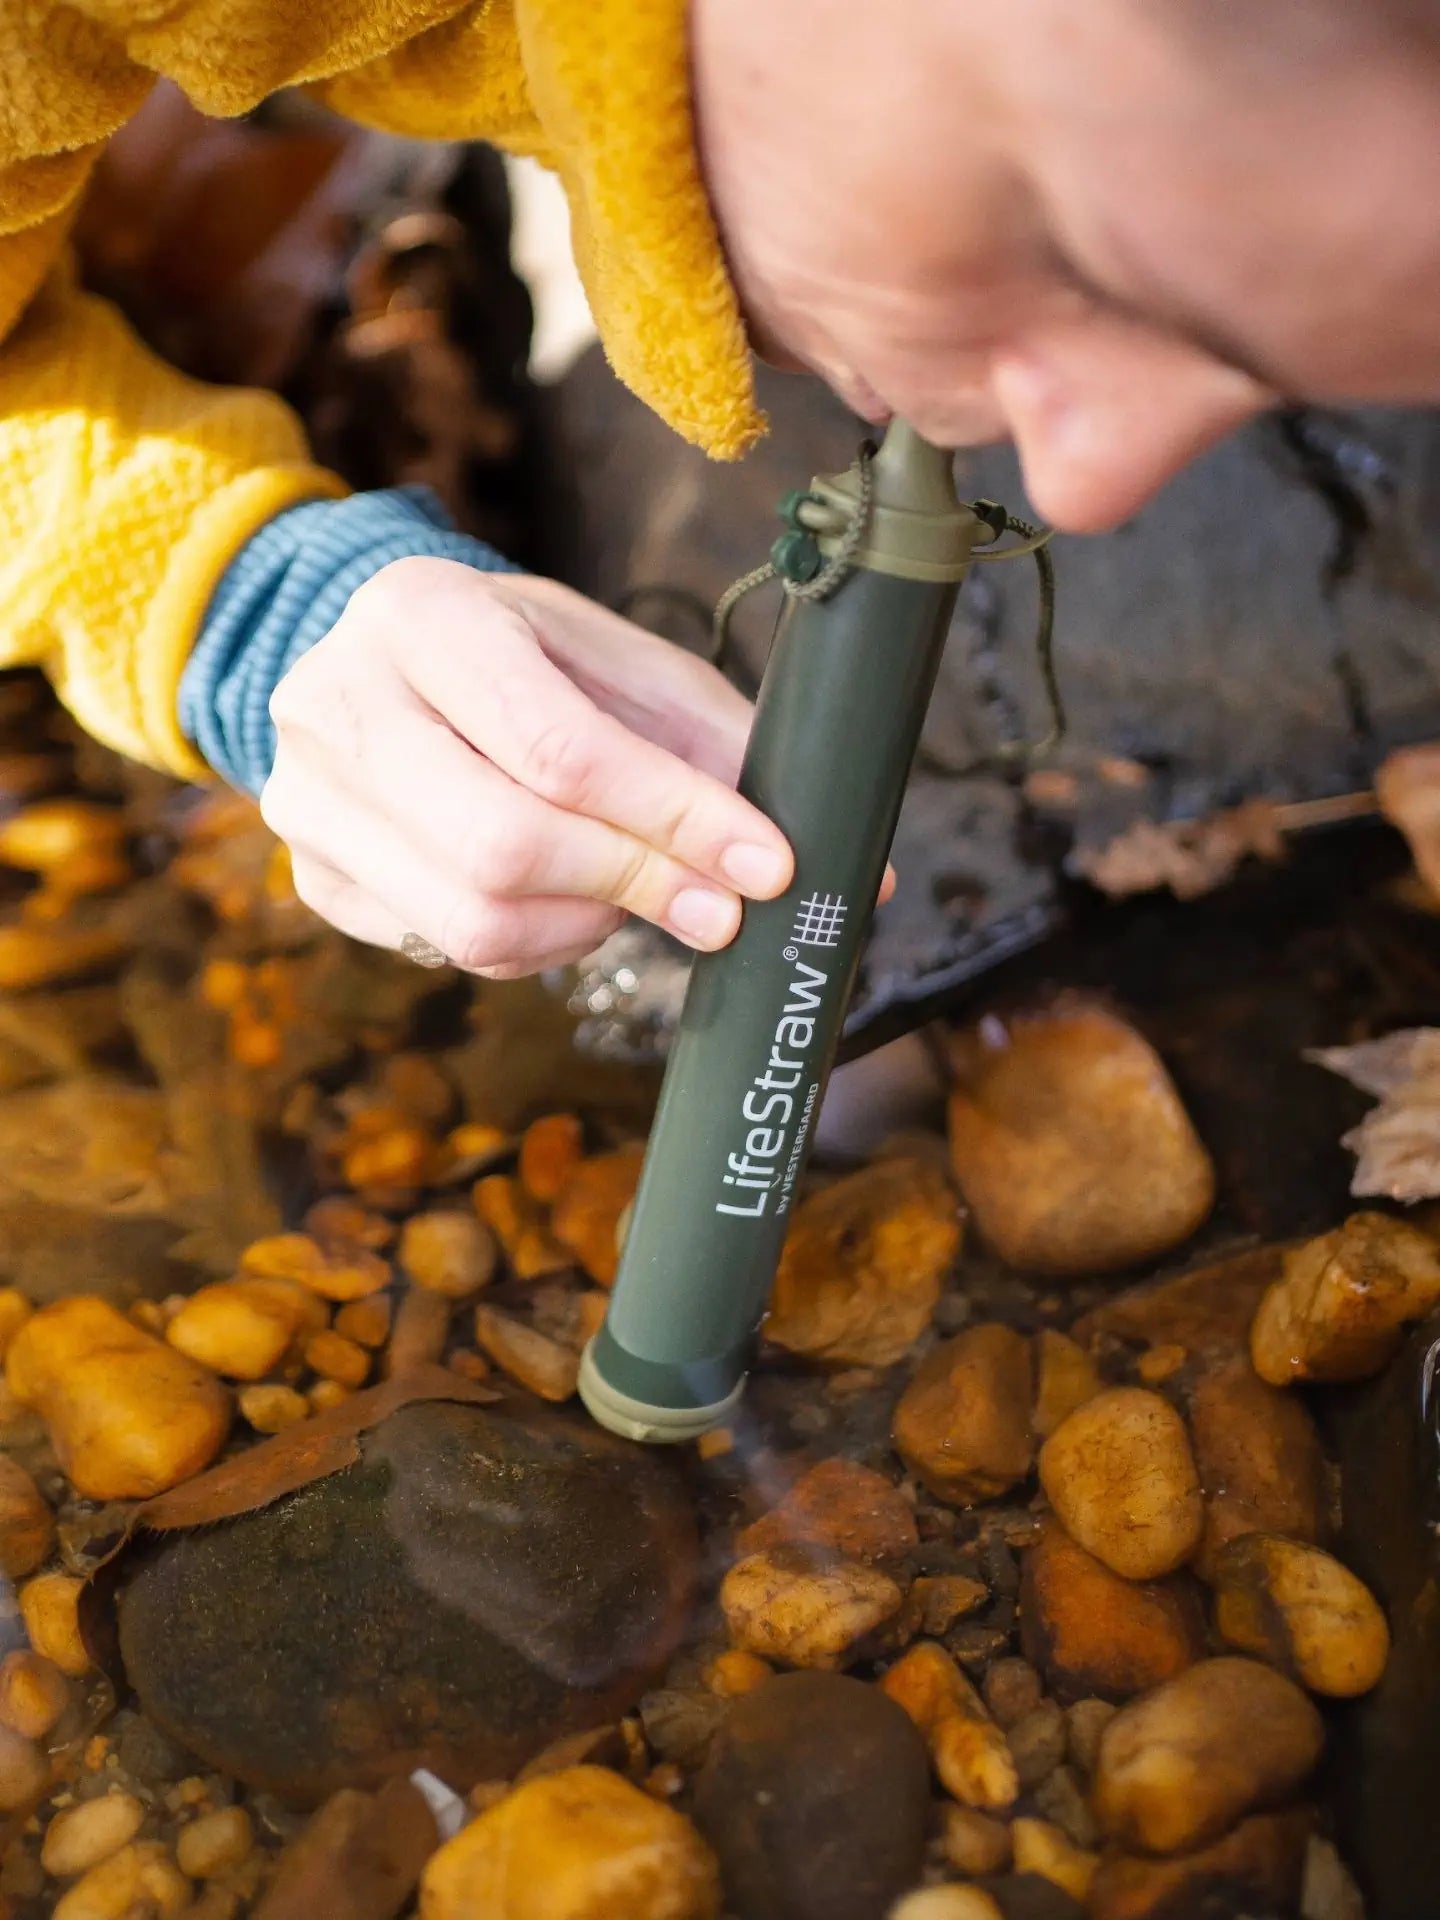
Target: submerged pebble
[
  {"x": 474, "y": 1587},
  {"x": 816, "y": 1799},
  {"x": 581, "y": 1844}
]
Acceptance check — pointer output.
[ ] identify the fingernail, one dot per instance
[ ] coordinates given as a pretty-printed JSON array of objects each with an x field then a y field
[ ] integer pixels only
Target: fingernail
[
  {"x": 705, "y": 919},
  {"x": 758, "y": 871}
]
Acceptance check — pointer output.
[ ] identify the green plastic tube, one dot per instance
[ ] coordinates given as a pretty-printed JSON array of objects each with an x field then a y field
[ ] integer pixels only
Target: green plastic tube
[{"x": 837, "y": 724}]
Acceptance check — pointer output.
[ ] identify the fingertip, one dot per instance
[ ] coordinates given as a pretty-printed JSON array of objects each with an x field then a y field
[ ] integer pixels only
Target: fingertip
[
  {"x": 759, "y": 872},
  {"x": 703, "y": 918}
]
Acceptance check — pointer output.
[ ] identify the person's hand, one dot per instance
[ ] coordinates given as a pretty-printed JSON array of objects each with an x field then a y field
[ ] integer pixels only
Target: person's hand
[{"x": 494, "y": 763}]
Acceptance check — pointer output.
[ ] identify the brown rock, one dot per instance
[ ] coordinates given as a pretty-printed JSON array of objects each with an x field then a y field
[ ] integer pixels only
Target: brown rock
[
  {"x": 944, "y": 1598},
  {"x": 1061, "y": 1799},
  {"x": 358, "y": 1858},
  {"x": 863, "y": 1264},
  {"x": 1258, "y": 1456},
  {"x": 582, "y": 1844},
  {"x": 1093, "y": 1633},
  {"x": 1341, "y": 1305},
  {"x": 1180, "y": 1766},
  {"x": 962, "y": 1425},
  {"x": 1121, "y": 1477},
  {"x": 588, "y": 1209},
  {"x": 788, "y": 1604},
  {"x": 531, "y": 1357},
  {"x": 1070, "y": 1142},
  {"x": 1254, "y": 1869},
  {"x": 1084, "y": 1724},
  {"x": 816, "y": 1798},
  {"x": 841, "y": 1505},
  {"x": 422, "y": 1326},
  {"x": 1012, "y": 1689},
  {"x": 1206, "y": 1311},
  {"x": 475, "y": 1586},
  {"x": 1066, "y": 1377},
  {"x": 27, "y": 1526},
  {"x": 1298, "y": 1608},
  {"x": 970, "y": 1754},
  {"x": 1037, "y": 1744}
]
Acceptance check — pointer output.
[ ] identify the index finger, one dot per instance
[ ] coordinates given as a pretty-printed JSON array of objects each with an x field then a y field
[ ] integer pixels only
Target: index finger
[{"x": 511, "y": 703}]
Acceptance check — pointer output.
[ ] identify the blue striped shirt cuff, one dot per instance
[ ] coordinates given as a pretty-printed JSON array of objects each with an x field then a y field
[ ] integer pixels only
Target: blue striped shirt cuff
[{"x": 285, "y": 590}]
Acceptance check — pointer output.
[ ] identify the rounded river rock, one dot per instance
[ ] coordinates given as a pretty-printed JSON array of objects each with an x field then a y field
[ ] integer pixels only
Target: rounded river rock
[
  {"x": 476, "y": 1586},
  {"x": 815, "y": 1798}
]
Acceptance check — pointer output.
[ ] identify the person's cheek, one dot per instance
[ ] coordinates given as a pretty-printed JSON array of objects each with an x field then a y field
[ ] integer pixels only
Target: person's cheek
[{"x": 1104, "y": 415}]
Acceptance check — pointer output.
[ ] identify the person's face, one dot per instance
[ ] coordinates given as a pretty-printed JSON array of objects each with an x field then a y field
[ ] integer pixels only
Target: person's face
[{"x": 1110, "y": 230}]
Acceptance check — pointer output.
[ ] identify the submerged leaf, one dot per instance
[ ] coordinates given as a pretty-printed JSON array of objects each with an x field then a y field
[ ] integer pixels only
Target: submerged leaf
[
  {"x": 1397, "y": 1145},
  {"x": 1190, "y": 857}
]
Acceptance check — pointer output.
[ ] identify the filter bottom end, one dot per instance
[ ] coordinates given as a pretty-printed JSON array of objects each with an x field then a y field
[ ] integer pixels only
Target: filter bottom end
[{"x": 654, "y": 1426}]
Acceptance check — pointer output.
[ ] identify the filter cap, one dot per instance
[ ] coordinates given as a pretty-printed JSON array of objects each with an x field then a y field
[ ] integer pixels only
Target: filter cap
[{"x": 637, "y": 1420}]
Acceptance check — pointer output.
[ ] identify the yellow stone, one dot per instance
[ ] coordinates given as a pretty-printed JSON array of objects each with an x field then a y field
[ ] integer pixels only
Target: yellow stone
[{"x": 582, "y": 1844}]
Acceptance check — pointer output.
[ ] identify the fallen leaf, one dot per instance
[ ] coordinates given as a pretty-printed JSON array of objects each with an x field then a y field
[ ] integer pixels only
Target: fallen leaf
[
  {"x": 300, "y": 1455},
  {"x": 1189, "y": 857},
  {"x": 1397, "y": 1145}
]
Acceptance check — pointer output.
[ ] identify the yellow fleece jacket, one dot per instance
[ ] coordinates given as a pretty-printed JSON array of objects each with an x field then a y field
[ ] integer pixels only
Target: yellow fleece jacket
[{"x": 126, "y": 488}]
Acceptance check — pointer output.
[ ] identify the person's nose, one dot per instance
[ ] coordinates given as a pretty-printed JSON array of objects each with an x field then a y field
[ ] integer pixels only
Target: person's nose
[{"x": 1104, "y": 413}]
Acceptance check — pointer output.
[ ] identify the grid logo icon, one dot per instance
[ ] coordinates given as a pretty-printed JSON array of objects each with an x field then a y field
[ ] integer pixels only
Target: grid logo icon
[{"x": 820, "y": 921}]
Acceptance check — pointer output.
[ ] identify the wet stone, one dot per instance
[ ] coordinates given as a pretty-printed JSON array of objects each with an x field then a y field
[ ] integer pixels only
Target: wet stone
[
  {"x": 475, "y": 1587},
  {"x": 815, "y": 1799},
  {"x": 1030, "y": 1896},
  {"x": 144, "y": 1751}
]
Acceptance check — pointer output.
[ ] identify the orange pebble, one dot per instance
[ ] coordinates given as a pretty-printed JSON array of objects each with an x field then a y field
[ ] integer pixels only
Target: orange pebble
[
  {"x": 254, "y": 1043},
  {"x": 472, "y": 1365},
  {"x": 469, "y": 1146},
  {"x": 735, "y": 1672},
  {"x": 549, "y": 1152},
  {"x": 403, "y": 1156},
  {"x": 1160, "y": 1363},
  {"x": 336, "y": 1358},
  {"x": 512, "y": 1217},
  {"x": 33, "y": 1693},
  {"x": 344, "y": 1273},
  {"x": 341, "y": 1222},
  {"x": 367, "y": 1322}
]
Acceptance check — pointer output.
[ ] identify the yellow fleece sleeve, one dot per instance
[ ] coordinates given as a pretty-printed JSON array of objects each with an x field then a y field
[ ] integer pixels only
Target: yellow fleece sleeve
[{"x": 125, "y": 490}]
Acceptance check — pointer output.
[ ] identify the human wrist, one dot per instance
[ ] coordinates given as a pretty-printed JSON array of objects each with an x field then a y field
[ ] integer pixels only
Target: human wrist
[{"x": 283, "y": 592}]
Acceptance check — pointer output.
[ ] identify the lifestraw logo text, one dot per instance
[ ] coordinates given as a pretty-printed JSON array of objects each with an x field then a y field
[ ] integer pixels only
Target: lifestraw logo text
[{"x": 784, "y": 1092}]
